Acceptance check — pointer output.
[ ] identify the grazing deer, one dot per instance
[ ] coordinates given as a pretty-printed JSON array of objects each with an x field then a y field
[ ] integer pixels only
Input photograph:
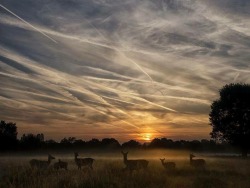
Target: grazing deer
[
  {"x": 197, "y": 163},
  {"x": 168, "y": 165},
  {"x": 41, "y": 164},
  {"x": 60, "y": 164},
  {"x": 134, "y": 164},
  {"x": 83, "y": 161}
]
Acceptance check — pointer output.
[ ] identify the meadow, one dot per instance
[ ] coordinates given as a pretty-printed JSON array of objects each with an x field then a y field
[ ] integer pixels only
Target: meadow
[{"x": 221, "y": 172}]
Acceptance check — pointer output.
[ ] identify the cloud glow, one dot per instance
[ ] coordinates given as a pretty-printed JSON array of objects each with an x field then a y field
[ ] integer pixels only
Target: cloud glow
[{"x": 125, "y": 69}]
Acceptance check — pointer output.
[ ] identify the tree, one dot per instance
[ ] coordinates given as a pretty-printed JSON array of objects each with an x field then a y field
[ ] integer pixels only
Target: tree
[
  {"x": 230, "y": 116},
  {"x": 68, "y": 141},
  {"x": 31, "y": 141},
  {"x": 110, "y": 143},
  {"x": 93, "y": 143},
  {"x": 161, "y": 143},
  {"x": 131, "y": 144},
  {"x": 8, "y": 135}
]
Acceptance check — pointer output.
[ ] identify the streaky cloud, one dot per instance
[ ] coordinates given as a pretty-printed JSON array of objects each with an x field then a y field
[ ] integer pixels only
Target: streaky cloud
[{"x": 28, "y": 23}]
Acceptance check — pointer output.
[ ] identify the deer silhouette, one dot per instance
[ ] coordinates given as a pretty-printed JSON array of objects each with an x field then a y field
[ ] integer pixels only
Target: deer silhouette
[
  {"x": 197, "y": 163},
  {"x": 61, "y": 164},
  {"x": 35, "y": 163},
  {"x": 83, "y": 161},
  {"x": 134, "y": 164},
  {"x": 168, "y": 165}
]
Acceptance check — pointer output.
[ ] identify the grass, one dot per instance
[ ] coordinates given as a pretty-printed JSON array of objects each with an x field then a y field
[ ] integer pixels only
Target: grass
[{"x": 108, "y": 173}]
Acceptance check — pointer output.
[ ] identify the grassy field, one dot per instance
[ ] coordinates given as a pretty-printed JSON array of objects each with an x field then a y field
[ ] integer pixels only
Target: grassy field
[{"x": 108, "y": 172}]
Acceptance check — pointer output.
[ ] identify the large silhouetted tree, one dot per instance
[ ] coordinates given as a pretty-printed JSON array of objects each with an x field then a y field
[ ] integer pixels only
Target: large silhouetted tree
[
  {"x": 230, "y": 116},
  {"x": 8, "y": 135}
]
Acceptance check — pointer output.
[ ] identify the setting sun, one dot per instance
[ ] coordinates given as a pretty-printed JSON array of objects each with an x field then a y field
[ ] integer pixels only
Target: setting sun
[{"x": 147, "y": 136}]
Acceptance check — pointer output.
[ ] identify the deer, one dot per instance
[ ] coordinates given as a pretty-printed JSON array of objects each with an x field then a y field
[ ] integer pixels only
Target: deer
[
  {"x": 197, "y": 163},
  {"x": 134, "y": 164},
  {"x": 83, "y": 162},
  {"x": 40, "y": 163},
  {"x": 168, "y": 165},
  {"x": 61, "y": 164}
]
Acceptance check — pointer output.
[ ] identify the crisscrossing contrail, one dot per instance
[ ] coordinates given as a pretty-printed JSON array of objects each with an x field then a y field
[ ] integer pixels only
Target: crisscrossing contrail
[{"x": 35, "y": 28}]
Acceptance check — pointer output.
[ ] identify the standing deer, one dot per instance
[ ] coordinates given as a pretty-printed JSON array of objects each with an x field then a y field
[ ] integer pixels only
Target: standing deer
[
  {"x": 60, "y": 164},
  {"x": 41, "y": 164},
  {"x": 83, "y": 161},
  {"x": 197, "y": 163},
  {"x": 134, "y": 164},
  {"x": 168, "y": 165}
]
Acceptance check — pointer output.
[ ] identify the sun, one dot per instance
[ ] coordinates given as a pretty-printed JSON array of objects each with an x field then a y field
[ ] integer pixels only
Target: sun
[{"x": 147, "y": 136}]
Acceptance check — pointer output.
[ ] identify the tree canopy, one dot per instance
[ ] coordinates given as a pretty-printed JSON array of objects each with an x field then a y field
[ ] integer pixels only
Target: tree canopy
[
  {"x": 230, "y": 116},
  {"x": 8, "y": 135}
]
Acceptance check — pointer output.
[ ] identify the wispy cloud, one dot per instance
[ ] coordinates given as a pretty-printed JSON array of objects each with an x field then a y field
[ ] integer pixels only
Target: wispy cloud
[
  {"x": 119, "y": 67},
  {"x": 27, "y": 23}
]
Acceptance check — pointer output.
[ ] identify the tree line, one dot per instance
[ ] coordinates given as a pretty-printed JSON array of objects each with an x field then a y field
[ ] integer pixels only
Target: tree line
[{"x": 10, "y": 142}]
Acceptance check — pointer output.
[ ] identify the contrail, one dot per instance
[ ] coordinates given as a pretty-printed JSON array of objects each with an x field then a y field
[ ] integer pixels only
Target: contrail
[
  {"x": 104, "y": 113},
  {"x": 113, "y": 106},
  {"x": 236, "y": 76},
  {"x": 121, "y": 101},
  {"x": 140, "y": 68},
  {"x": 133, "y": 96},
  {"x": 38, "y": 107},
  {"x": 154, "y": 104},
  {"x": 120, "y": 52},
  {"x": 28, "y": 23},
  {"x": 99, "y": 97},
  {"x": 106, "y": 103}
]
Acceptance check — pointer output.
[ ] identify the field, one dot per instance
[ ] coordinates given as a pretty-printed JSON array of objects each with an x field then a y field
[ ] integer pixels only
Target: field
[{"x": 108, "y": 172}]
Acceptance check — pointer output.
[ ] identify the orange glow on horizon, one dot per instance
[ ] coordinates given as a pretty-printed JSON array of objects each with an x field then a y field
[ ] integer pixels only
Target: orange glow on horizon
[{"x": 147, "y": 136}]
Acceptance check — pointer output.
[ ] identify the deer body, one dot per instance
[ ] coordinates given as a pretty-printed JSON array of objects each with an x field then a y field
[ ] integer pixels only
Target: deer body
[
  {"x": 197, "y": 163},
  {"x": 168, "y": 165},
  {"x": 61, "y": 164},
  {"x": 41, "y": 164},
  {"x": 134, "y": 164},
  {"x": 83, "y": 162}
]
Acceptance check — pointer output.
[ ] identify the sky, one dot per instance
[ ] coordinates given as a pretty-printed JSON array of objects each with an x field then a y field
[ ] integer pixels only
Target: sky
[{"x": 127, "y": 69}]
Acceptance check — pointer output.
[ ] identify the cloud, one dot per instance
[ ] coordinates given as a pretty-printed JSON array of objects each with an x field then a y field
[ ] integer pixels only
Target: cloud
[{"x": 127, "y": 64}]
